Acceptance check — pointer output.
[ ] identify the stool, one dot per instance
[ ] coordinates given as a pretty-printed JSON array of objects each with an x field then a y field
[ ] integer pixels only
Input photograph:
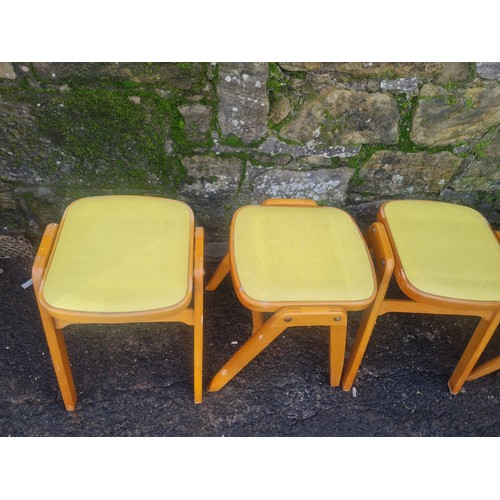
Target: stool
[
  {"x": 119, "y": 259},
  {"x": 305, "y": 265},
  {"x": 446, "y": 259}
]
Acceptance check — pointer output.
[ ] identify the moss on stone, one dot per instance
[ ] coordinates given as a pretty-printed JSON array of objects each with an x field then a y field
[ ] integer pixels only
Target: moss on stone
[
  {"x": 356, "y": 179},
  {"x": 450, "y": 86},
  {"x": 365, "y": 153},
  {"x": 480, "y": 149},
  {"x": 299, "y": 75},
  {"x": 493, "y": 198},
  {"x": 472, "y": 73},
  {"x": 275, "y": 81},
  {"x": 137, "y": 75},
  {"x": 278, "y": 88},
  {"x": 185, "y": 65},
  {"x": 335, "y": 161},
  {"x": 102, "y": 126},
  {"x": 387, "y": 75},
  {"x": 234, "y": 141},
  {"x": 407, "y": 107},
  {"x": 456, "y": 95},
  {"x": 278, "y": 126},
  {"x": 96, "y": 125},
  {"x": 469, "y": 102}
]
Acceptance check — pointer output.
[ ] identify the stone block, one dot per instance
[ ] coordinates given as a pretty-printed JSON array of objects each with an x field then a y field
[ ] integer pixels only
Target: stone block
[
  {"x": 7, "y": 71},
  {"x": 441, "y": 71},
  {"x": 394, "y": 174},
  {"x": 272, "y": 145},
  {"x": 478, "y": 175},
  {"x": 425, "y": 70},
  {"x": 489, "y": 70},
  {"x": 270, "y": 160},
  {"x": 280, "y": 110},
  {"x": 405, "y": 85},
  {"x": 197, "y": 121},
  {"x": 210, "y": 176},
  {"x": 243, "y": 103},
  {"x": 339, "y": 116},
  {"x": 493, "y": 148},
  {"x": 321, "y": 81},
  {"x": 300, "y": 163},
  {"x": 446, "y": 117},
  {"x": 323, "y": 185},
  {"x": 307, "y": 66},
  {"x": 312, "y": 162}
]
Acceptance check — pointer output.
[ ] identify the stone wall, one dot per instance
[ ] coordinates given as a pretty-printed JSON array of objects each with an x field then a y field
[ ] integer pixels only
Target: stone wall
[{"x": 219, "y": 135}]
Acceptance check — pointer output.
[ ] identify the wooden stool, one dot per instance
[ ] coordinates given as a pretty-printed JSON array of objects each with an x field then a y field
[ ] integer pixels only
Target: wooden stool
[
  {"x": 304, "y": 264},
  {"x": 446, "y": 259},
  {"x": 119, "y": 259}
]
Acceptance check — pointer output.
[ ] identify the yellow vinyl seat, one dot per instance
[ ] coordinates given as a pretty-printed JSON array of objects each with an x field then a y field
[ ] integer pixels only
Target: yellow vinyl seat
[
  {"x": 294, "y": 263},
  {"x": 446, "y": 259},
  {"x": 119, "y": 259},
  {"x": 297, "y": 254},
  {"x": 445, "y": 250},
  {"x": 118, "y": 254}
]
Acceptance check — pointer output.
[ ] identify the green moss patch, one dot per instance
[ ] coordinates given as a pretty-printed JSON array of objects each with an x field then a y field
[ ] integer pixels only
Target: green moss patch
[{"x": 101, "y": 127}]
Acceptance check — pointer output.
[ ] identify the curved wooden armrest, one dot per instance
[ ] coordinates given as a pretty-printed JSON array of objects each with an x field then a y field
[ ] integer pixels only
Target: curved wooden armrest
[{"x": 42, "y": 256}]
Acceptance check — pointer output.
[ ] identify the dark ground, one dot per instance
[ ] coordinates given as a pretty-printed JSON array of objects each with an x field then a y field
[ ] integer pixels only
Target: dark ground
[{"x": 136, "y": 380}]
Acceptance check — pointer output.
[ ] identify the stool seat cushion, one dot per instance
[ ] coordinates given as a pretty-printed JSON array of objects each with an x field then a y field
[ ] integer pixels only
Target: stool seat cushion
[
  {"x": 445, "y": 250},
  {"x": 301, "y": 254},
  {"x": 121, "y": 254}
]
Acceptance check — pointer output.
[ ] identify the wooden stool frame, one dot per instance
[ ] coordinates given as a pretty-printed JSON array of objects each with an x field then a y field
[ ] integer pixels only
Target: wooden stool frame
[
  {"x": 387, "y": 264},
  {"x": 54, "y": 320},
  {"x": 283, "y": 315}
]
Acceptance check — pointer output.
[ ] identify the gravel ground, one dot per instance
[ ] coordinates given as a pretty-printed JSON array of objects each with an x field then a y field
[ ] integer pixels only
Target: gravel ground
[{"x": 136, "y": 380}]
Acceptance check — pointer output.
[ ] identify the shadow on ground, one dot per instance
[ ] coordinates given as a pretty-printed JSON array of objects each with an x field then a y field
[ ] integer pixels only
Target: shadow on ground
[{"x": 136, "y": 380}]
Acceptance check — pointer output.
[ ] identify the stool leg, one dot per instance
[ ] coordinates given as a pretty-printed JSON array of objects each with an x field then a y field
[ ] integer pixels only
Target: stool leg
[
  {"x": 248, "y": 351},
  {"x": 258, "y": 320},
  {"x": 378, "y": 241},
  {"x": 361, "y": 340},
  {"x": 337, "y": 353},
  {"x": 219, "y": 274},
  {"x": 60, "y": 360},
  {"x": 198, "y": 314},
  {"x": 483, "y": 333},
  {"x": 55, "y": 338},
  {"x": 198, "y": 357}
]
